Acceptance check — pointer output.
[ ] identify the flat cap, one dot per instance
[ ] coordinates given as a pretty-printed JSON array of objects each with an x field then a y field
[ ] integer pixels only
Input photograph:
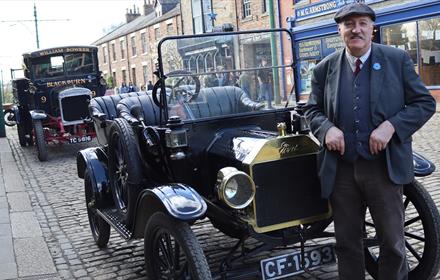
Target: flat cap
[{"x": 354, "y": 9}]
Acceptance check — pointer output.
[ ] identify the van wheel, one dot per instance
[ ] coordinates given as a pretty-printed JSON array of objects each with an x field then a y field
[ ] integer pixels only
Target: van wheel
[
  {"x": 125, "y": 170},
  {"x": 172, "y": 251},
  {"x": 39, "y": 140}
]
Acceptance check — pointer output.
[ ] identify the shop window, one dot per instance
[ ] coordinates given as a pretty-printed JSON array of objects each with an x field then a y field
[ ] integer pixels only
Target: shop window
[
  {"x": 429, "y": 49},
  {"x": 402, "y": 36},
  {"x": 201, "y": 12}
]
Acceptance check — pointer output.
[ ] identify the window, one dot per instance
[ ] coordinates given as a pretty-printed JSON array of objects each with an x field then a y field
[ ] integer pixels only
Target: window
[
  {"x": 421, "y": 39},
  {"x": 133, "y": 75},
  {"x": 156, "y": 34},
  {"x": 402, "y": 36},
  {"x": 429, "y": 48},
  {"x": 264, "y": 6},
  {"x": 113, "y": 52},
  {"x": 144, "y": 43},
  {"x": 170, "y": 28},
  {"x": 133, "y": 45},
  {"x": 145, "y": 73},
  {"x": 246, "y": 8},
  {"x": 104, "y": 54},
  {"x": 115, "y": 82},
  {"x": 122, "y": 43},
  {"x": 202, "y": 21},
  {"x": 124, "y": 76}
]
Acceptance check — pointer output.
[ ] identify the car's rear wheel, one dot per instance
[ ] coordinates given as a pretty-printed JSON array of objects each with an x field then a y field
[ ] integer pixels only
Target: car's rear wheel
[
  {"x": 125, "y": 170},
  {"x": 172, "y": 251},
  {"x": 100, "y": 229},
  {"x": 422, "y": 235},
  {"x": 39, "y": 140}
]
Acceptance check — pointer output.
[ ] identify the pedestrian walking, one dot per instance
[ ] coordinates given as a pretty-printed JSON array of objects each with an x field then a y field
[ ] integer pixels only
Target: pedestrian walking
[{"x": 365, "y": 103}]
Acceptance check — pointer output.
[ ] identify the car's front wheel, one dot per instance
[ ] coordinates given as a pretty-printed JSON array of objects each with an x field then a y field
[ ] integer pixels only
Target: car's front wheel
[
  {"x": 422, "y": 235},
  {"x": 100, "y": 229},
  {"x": 172, "y": 251}
]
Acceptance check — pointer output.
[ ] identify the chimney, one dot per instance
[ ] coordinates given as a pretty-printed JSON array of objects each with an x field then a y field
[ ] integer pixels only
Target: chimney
[
  {"x": 148, "y": 8},
  {"x": 131, "y": 14}
]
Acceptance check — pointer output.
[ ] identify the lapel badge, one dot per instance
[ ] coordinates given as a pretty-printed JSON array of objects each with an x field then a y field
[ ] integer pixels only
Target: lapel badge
[{"x": 377, "y": 66}]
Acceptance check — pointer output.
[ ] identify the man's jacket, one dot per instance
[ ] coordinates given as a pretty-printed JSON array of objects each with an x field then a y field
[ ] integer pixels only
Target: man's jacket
[{"x": 397, "y": 94}]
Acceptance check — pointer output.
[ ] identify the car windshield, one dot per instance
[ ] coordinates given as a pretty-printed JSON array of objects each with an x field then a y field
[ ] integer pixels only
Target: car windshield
[
  {"x": 59, "y": 65},
  {"x": 227, "y": 74}
]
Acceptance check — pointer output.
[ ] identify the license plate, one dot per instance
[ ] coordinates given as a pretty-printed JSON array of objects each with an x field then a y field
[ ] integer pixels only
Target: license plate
[
  {"x": 290, "y": 264},
  {"x": 76, "y": 140}
]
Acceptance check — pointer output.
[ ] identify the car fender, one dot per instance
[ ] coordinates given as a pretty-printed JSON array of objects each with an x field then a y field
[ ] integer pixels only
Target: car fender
[
  {"x": 178, "y": 200},
  {"x": 38, "y": 115},
  {"x": 95, "y": 161},
  {"x": 422, "y": 166}
]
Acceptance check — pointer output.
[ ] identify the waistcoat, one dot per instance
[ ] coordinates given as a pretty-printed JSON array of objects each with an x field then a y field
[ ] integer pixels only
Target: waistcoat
[{"x": 354, "y": 111}]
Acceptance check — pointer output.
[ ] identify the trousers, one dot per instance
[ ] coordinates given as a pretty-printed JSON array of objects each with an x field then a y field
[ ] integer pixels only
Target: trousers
[{"x": 358, "y": 186}]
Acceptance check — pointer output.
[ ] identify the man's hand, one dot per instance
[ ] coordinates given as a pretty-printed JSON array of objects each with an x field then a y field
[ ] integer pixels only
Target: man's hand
[
  {"x": 334, "y": 140},
  {"x": 380, "y": 137}
]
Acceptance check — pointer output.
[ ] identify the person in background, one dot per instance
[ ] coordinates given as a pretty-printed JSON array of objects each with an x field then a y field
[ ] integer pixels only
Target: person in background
[
  {"x": 365, "y": 103},
  {"x": 143, "y": 88},
  {"x": 124, "y": 88},
  {"x": 244, "y": 82},
  {"x": 132, "y": 87},
  {"x": 264, "y": 80},
  {"x": 150, "y": 85},
  {"x": 211, "y": 80}
]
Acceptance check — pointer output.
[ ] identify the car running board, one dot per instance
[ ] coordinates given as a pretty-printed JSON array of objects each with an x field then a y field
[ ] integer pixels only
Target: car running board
[{"x": 113, "y": 218}]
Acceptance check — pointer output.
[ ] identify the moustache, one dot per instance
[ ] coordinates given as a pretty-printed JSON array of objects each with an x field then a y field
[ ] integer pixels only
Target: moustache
[{"x": 356, "y": 37}]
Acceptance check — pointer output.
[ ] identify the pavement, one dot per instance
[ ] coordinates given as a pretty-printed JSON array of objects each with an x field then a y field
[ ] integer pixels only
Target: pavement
[
  {"x": 44, "y": 231},
  {"x": 24, "y": 253}
]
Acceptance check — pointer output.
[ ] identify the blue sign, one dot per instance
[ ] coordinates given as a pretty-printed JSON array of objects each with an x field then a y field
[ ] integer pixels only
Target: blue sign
[{"x": 331, "y": 44}]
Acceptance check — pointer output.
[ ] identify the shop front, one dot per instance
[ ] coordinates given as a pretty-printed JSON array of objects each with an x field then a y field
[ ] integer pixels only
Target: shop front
[{"x": 413, "y": 27}]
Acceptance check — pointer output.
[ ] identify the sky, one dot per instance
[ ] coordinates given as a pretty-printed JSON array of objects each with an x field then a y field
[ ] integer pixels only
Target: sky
[{"x": 79, "y": 22}]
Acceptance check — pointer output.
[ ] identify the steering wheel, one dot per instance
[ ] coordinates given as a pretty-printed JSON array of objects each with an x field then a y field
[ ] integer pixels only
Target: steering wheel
[{"x": 182, "y": 90}]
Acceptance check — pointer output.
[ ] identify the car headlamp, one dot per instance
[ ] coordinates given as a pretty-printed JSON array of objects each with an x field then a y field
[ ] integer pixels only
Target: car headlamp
[
  {"x": 175, "y": 135},
  {"x": 235, "y": 188}
]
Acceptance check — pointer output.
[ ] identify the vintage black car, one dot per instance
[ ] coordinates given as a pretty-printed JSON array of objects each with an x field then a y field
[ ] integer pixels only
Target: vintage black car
[
  {"x": 54, "y": 95},
  {"x": 210, "y": 142}
]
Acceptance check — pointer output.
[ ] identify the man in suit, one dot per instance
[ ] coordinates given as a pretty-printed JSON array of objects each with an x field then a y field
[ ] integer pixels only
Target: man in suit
[{"x": 366, "y": 102}]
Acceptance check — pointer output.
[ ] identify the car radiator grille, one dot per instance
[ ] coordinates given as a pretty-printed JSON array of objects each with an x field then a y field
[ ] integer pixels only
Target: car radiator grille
[
  {"x": 287, "y": 190},
  {"x": 74, "y": 108}
]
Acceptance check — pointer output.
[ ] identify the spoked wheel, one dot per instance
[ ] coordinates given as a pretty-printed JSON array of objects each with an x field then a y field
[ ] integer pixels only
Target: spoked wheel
[
  {"x": 39, "y": 140},
  {"x": 100, "y": 229},
  {"x": 124, "y": 168},
  {"x": 9, "y": 116},
  {"x": 422, "y": 235},
  {"x": 172, "y": 251}
]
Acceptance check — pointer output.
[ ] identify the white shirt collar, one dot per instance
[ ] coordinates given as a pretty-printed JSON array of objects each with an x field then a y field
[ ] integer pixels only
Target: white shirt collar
[{"x": 352, "y": 59}]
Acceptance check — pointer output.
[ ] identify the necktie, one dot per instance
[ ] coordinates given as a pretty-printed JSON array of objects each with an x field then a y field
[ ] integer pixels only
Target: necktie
[{"x": 358, "y": 67}]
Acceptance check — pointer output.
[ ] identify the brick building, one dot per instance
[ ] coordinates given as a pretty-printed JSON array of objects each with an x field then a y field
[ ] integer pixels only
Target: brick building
[{"x": 129, "y": 53}]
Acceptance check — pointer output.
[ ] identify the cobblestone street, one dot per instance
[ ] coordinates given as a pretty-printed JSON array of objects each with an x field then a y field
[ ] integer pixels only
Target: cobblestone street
[{"x": 57, "y": 198}]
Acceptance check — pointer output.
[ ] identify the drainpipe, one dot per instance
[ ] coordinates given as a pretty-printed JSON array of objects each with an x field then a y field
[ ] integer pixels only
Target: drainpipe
[
  {"x": 283, "y": 71},
  {"x": 273, "y": 49}
]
